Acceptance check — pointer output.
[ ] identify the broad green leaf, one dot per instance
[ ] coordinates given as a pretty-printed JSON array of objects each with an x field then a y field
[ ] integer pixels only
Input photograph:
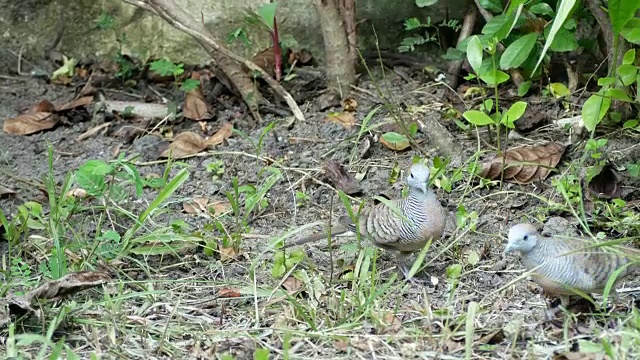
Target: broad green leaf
[
  {"x": 474, "y": 53},
  {"x": 594, "y": 109},
  {"x": 494, "y": 6},
  {"x": 564, "y": 40},
  {"x": 477, "y": 118},
  {"x": 519, "y": 50},
  {"x": 630, "y": 124},
  {"x": 627, "y": 74},
  {"x": 514, "y": 113},
  {"x": 425, "y": 3},
  {"x": 631, "y": 31},
  {"x": 487, "y": 106},
  {"x": 494, "y": 77},
  {"x": 606, "y": 81},
  {"x": 395, "y": 141},
  {"x": 559, "y": 90},
  {"x": 618, "y": 94},
  {"x": 541, "y": 9},
  {"x": 498, "y": 27},
  {"x": 621, "y": 11},
  {"x": 267, "y": 13},
  {"x": 563, "y": 12},
  {"x": 523, "y": 89},
  {"x": 453, "y": 54},
  {"x": 629, "y": 57}
]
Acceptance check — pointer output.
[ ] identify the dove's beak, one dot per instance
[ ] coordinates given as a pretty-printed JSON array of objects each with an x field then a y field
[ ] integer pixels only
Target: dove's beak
[{"x": 508, "y": 249}]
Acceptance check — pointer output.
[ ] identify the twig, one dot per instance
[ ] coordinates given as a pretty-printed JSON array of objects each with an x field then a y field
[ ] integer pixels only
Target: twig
[
  {"x": 182, "y": 21},
  {"x": 467, "y": 28}
]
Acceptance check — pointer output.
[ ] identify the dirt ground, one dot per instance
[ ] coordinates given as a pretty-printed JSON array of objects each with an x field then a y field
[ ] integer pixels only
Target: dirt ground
[{"x": 172, "y": 307}]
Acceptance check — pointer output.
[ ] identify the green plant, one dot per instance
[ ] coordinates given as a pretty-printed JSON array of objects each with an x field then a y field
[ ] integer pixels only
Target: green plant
[
  {"x": 301, "y": 198},
  {"x": 125, "y": 66},
  {"x": 165, "y": 67},
  {"x": 414, "y": 25},
  {"x": 216, "y": 169}
]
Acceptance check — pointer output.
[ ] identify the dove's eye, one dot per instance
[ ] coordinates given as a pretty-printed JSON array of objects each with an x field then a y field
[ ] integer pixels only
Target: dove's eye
[
  {"x": 411, "y": 176},
  {"x": 525, "y": 238}
]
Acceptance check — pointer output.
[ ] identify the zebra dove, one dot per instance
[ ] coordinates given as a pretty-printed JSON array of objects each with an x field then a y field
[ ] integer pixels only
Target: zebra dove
[
  {"x": 422, "y": 219},
  {"x": 567, "y": 267}
]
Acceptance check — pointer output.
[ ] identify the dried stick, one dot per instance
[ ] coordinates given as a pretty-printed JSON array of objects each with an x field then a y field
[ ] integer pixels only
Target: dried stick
[{"x": 467, "y": 28}]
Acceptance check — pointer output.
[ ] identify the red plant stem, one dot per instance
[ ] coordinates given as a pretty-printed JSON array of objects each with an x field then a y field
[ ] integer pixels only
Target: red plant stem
[{"x": 277, "y": 51}]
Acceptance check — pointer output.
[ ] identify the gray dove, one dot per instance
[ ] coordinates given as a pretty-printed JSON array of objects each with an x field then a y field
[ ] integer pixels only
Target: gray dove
[{"x": 418, "y": 219}]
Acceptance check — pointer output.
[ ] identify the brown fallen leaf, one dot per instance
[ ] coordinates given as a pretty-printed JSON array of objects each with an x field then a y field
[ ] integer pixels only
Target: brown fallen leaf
[
  {"x": 525, "y": 164},
  {"x": 30, "y": 123},
  {"x": 195, "y": 106},
  {"x": 345, "y": 119},
  {"x": 292, "y": 285},
  {"x": 349, "y": 104},
  {"x": 185, "y": 144},
  {"x": 220, "y": 207},
  {"x": 266, "y": 60},
  {"x": 340, "y": 178},
  {"x": 83, "y": 101},
  {"x": 605, "y": 185},
  {"x": 195, "y": 206},
  {"x": 220, "y": 136},
  {"x": 42, "y": 106},
  {"x": 227, "y": 253},
  {"x": 228, "y": 293},
  {"x": 6, "y": 191}
]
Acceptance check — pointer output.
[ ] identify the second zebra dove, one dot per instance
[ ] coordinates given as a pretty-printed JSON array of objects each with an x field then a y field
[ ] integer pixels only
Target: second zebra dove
[
  {"x": 418, "y": 219},
  {"x": 562, "y": 265}
]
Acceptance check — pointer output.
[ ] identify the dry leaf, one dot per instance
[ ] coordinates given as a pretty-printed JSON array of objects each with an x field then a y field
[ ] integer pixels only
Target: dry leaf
[
  {"x": 292, "y": 285},
  {"x": 30, "y": 123},
  {"x": 345, "y": 119},
  {"x": 395, "y": 141},
  {"x": 605, "y": 185},
  {"x": 228, "y": 293},
  {"x": 220, "y": 207},
  {"x": 83, "y": 101},
  {"x": 349, "y": 104},
  {"x": 524, "y": 165},
  {"x": 195, "y": 106},
  {"x": 195, "y": 206},
  {"x": 227, "y": 253},
  {"x": 77, "y": 193},
  {"x": 42, "y": 106},
  {"x": 68, "y": 285},
  {"x": 219, "y": 137},
  {"x": 340, "y": 178},
  {"x": 6, "y": 191},
  {"x": 266, "y": 60},
  {"x": 185, "y": 144}
]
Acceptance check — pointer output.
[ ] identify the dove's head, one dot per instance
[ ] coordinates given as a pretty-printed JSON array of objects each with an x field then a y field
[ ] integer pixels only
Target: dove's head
[
  {"x": 522, "y": 237},
  {"x": 419, "y": 177}
]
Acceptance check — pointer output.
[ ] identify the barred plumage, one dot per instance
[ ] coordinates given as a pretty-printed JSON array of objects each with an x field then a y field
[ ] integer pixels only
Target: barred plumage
[{"x": 562, "y": 265}]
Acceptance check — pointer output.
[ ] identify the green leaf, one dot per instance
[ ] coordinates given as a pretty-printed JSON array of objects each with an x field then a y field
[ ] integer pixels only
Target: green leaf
[
  {"x": 494, "y": 77},
  {"x": 394, "y": 141},
  {"x": 453, "y": 54},
  {"x": 541, "y": 9},
  {"x": 514, "y": 113},
  {"x": 563, "y": 12},
  {"x": 559, "y": 90},
  {"x": 618, "y": 94},
  {"x": 267, "y": 13},
  {"x": 425, "y": 3},
  {"x": 629, "y": 57},
  {"x": 477, "y": 118},
  {"x": 606, "y": 81},
  {"x": 621, "y": 11},
  {"x": 454, "y": 271},
  {"x": 498, "y": 27},
  {"x": 631, "y": 31},
  {"x": 524, "y": 88},
  {"x": 494, "y": 6},
  {"x": 630, "y": 124},
  {"x": 261, "y": 354},
  {"x": 594, "y": 110},
  {"x": 564, "y": 40},
  {"x": 519, "y": 50},
  {"x": 487, "y": 106},
  {"x": 474, "y": 53},
  {"x": 627, "y": 74}
]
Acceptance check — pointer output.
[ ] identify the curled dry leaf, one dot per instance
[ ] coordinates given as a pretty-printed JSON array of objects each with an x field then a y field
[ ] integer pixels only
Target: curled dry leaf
[
  {"x": 349, "y": 104},
  {"x": 185, "y": 144},
  {"x": 227, "y": 253},
  {"x": 292, "y": 285},
  {"x": 30, "y": 123},
  {"x": 525, "y": 164},
  {"x": 6, "y": 191},
  {"x": 605, "y": 185},
  {"x": 345, "y": 119},
  {"x": 77, "y": 193},
  {"x": 195, "y": 206},
  {"x": 83, "y": 101},
  {"x": 228, "y": 293},
  {"x": 195, "y": 106},
  {"x": 69, "y": 285},
  {"x": 220, "y": 136},
  {"x": 340, "y": 178}
]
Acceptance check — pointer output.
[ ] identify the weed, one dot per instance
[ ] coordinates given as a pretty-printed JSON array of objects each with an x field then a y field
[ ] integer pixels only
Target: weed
[{"x": 413, "y": 25}]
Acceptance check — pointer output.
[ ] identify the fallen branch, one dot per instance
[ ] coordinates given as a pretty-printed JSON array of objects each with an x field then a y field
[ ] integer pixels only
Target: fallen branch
[
  {"x": 184, "y": 22},
  {"x": 467, "y": 29}
]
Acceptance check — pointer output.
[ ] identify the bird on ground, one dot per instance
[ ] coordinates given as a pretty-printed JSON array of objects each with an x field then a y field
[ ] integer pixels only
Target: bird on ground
[
  {"x": 570, "y": 266},
  {"x": 404, "y": 227}
]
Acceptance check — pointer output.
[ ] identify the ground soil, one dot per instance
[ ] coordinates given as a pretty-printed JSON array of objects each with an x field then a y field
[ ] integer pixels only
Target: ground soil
[{"x": 514, "y": 315}]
